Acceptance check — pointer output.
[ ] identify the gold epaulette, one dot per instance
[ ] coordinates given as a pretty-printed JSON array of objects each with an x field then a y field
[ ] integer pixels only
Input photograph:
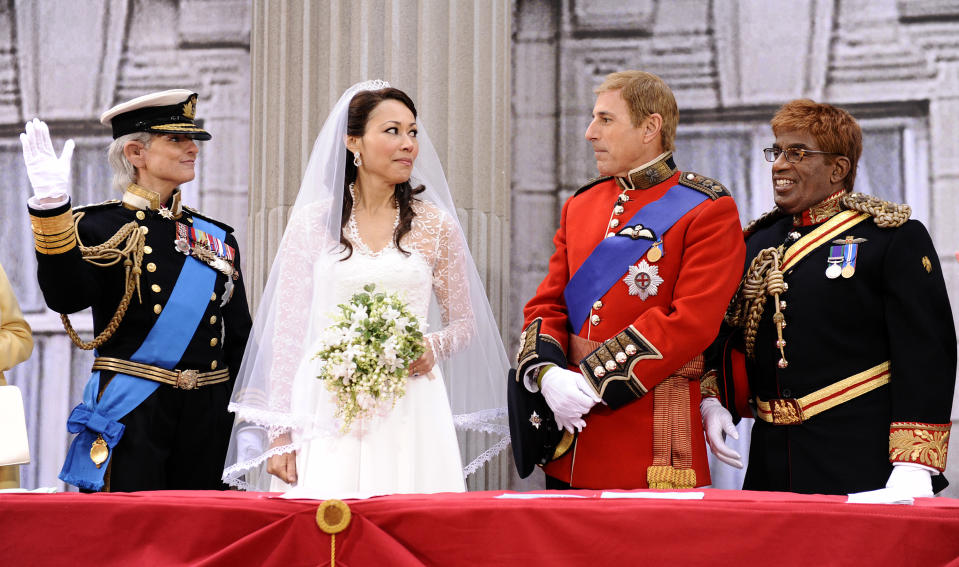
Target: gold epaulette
[
  {"x": 712, "y": 188},
  {"x": 886, "y": 214}
]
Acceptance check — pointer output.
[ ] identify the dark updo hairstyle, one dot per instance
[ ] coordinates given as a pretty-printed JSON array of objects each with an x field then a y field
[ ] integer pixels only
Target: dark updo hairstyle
[{"x": 361, "y": 107}]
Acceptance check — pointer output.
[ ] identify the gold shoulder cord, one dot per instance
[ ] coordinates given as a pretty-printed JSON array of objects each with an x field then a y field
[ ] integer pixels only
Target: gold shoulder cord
[
  {"x": 762, "y": 278},
  {"x": 108, "y": 254}
]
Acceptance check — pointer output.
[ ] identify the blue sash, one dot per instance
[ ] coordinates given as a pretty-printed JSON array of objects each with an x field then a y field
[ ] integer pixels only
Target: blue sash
[
  {"x": 610, "y": 259},
  {"x": 164, "y": 346}
]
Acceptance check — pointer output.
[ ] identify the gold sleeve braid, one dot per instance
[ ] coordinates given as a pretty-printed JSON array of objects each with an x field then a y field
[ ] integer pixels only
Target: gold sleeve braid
[{"x": 54, "y": 235}]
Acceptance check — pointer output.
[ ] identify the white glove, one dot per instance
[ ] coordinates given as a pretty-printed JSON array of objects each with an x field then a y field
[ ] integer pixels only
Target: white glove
[
  {"x": 250, "y": 442},
  {"x": 911, "y": 479},
  {"x": 569, "y": 396},
  {"x": 718, "y": 423},
  {"x": 49, "y": 174}
]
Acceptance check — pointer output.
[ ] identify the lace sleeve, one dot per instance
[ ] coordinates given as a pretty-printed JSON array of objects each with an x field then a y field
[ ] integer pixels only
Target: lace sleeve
[
  {"x": 451, "y": 286},
  {"x": 293, "y": 297}
]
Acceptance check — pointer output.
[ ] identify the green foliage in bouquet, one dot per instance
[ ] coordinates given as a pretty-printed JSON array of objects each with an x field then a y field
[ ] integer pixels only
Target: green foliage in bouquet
[{"x": 367, "y": 350}]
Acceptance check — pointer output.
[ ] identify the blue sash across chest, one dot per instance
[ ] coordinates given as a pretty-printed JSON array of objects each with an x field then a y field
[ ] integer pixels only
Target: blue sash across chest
[
  {"x": 611, "y": 258},
  {"x": 164, "y": 346}
]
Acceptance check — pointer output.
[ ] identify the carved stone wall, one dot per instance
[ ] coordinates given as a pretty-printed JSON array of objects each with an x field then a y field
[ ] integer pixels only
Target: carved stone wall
[
  {"x": 731, "y": 63},
  {"x": 66, "y": 62}
]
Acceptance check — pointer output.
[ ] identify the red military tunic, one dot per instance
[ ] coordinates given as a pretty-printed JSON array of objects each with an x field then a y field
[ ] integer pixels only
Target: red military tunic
[{"x": 657, "y": 317}]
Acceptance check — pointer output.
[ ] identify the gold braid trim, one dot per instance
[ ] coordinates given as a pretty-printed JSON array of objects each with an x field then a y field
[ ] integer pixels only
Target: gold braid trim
[
  {"x": 108, "y": 254},
  {"x": 762, "y": 278},
  {"x": 885, "y": 214}
]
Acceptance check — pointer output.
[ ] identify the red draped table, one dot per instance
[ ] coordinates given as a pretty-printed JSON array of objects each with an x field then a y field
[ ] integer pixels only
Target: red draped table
[{"x": 235, "y": 528}]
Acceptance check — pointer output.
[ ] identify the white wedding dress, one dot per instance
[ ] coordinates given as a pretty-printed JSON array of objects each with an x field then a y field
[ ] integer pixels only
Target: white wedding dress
[{"x": 412, "y": 447}]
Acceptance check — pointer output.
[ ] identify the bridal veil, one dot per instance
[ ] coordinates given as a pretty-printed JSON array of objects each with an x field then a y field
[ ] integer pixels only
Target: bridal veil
[{"x": 285, "y": 325}]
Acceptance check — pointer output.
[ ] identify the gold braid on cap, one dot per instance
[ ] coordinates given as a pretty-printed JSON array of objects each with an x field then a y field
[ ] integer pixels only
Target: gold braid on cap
[
  {"x": 763, "y": 277},
  {"x": 108, "y": 254}
]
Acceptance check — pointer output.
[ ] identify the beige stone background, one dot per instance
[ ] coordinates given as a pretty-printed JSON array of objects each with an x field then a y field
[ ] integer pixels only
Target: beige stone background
[{"x": 504, "y": 87}]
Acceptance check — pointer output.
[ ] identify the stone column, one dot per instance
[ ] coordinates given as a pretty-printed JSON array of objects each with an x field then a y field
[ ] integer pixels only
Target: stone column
[
  {"x": 452, "y": 58},
  {"x": 944, "y": 173}
]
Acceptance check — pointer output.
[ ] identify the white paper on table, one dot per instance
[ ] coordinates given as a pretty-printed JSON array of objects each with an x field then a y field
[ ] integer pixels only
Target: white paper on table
[
  {"x": 656, "y": 495},
  {"x": 41, "y": 490},
  {"x": 881, "y": 496},
  {"x": 530, "y": 496}
]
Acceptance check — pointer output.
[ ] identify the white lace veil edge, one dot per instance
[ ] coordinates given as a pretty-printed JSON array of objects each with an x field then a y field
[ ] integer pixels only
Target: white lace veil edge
[{"x": 475, "y": 375}]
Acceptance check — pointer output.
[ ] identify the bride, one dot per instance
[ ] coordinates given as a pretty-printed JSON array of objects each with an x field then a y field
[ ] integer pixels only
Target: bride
[{"x": 373, "y": 207}]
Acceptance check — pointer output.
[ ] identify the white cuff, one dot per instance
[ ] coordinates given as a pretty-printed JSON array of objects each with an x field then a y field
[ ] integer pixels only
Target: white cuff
[{"x": 48, "y": 202}]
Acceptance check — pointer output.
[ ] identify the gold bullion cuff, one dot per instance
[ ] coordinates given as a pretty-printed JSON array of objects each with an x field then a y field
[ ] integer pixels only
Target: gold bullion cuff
[
  {"x": 536, "y": 348},
  {"x": 54, "y": 235},
  {"x": 709, "y": 384},
  {"x": 922, "y": 443},
  {"x": 609, "y": 368}
]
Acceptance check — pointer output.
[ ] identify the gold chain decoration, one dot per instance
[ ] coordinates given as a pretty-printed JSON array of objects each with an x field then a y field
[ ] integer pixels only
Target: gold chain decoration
[
  {"x": 884, "y": 213},
  {"x": 763, "y": 277},
  {"x": 333, "y": 516},
  {"x": 108, "y": 254}
]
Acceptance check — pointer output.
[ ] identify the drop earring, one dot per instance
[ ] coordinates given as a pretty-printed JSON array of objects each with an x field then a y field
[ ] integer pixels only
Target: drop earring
[{"x": 356, "y": 159}]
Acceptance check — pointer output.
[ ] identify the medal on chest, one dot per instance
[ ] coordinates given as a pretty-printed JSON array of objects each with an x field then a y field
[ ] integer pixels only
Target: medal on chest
[
  {"x": 842, "y": 257},
  {"x": 211, "y": 251}
]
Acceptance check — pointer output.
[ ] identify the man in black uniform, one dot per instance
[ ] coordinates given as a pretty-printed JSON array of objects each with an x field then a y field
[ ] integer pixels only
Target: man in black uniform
[
  {"x": 843, "y": 317},
  {"x": 169, "y": 308}
]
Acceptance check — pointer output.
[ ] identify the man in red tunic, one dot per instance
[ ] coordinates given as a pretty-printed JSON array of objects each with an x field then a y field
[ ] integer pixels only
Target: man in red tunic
[{"x": 647, "y": 258}]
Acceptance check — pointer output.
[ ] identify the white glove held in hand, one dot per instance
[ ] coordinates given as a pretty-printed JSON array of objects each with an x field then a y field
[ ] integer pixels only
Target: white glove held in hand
[
  {"x": 49, "y": 174},
  {"x": 718, "y": 422},
  {"x": 910, "y": 479},
  {"x": 569, "y": 396}
]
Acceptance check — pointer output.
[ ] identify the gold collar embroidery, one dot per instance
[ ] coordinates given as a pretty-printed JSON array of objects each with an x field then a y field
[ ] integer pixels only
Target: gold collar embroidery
[
  {"x": 651, "y": 173},
  {"x": 139, "y": 198},
  {"x": 820, "y": 212}
]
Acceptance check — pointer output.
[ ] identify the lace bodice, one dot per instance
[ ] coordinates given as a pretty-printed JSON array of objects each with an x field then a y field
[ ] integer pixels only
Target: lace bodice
[{"x": 308, "y": 276}]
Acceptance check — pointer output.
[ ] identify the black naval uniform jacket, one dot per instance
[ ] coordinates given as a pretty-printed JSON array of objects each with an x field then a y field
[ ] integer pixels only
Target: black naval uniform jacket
[
  {"x": 893, "y": 308},
  {"x": 175, "y": 439}
]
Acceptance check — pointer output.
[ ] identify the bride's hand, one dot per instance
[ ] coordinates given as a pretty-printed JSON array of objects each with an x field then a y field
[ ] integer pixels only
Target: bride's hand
[
  {"x": 424, "y": 363},
  {"x": 283, "y": 466}
]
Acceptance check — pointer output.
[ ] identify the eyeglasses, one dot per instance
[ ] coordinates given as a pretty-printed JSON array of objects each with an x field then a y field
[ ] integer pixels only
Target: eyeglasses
[{"x": 793, "y": 155}]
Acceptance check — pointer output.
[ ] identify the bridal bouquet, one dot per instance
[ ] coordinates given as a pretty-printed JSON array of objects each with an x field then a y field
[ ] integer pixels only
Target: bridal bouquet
[{"x": 367, "y": 351}]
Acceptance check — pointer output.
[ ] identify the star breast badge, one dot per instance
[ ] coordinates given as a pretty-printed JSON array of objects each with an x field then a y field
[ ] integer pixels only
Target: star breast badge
[
  {"x": 643, "y": 280},
  {"x": 535, "y": 419}
]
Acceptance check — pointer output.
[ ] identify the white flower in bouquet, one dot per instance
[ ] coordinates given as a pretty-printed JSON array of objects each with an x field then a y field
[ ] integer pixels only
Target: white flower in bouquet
[{"x": 367, "y": 350}]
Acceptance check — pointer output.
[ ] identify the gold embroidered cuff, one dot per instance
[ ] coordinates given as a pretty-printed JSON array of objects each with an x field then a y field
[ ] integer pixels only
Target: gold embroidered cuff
[
  {"x": 922, "y": 443},
  {"x": 709, "y": 385},
  {"x": 54, "y": 235},
  {"x": 535, "y": 348},
  {"x": 609, "y": 367}
]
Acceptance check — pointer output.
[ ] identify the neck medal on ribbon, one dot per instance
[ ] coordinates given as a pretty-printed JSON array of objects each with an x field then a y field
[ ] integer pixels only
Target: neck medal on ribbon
[{"x": 210, "y": 250}]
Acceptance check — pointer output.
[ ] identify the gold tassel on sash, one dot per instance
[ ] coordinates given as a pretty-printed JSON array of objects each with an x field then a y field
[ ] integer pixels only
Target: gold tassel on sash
[{"x": 672, "y": 441}]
